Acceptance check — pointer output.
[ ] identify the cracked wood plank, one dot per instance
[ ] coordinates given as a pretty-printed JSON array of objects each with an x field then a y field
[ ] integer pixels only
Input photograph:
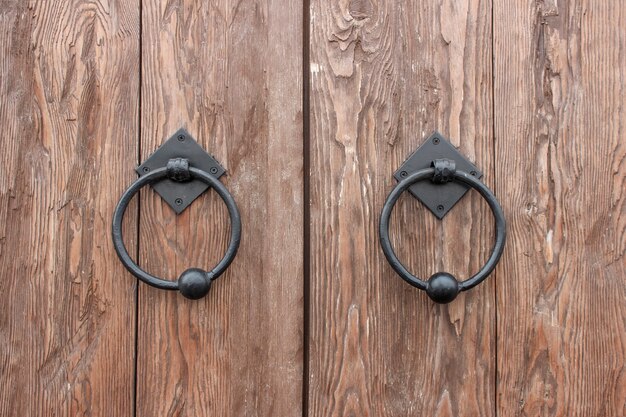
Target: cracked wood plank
[
  {"x": 560, "y": 71},
  {"x": 384, "y": 75},
  {"x": 230, "y": 72},
  {"x": 69, "y": 82}
]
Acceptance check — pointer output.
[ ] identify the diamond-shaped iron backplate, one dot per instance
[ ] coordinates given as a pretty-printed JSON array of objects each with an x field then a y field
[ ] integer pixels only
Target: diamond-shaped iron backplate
[
  {"x": 179, "y": 195},
  {"x": 438, "y": 198}
]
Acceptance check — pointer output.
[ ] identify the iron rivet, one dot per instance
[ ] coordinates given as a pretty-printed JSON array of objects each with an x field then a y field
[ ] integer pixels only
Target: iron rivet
[
  {"x": 436, "y": 141},
  {"x": 179, "y": 201},
  {"x": 213, "y": 170},
  {"x": 404, "y": 174},
  {"x": 146, "y": 169},
  {"x": 440, "y": 207},
  {"x": 473, "y": 173},
  {"x": 181, "y": 138}
]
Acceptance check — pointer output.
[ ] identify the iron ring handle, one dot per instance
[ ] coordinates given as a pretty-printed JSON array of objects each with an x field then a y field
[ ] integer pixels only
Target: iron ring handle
[
  {"x": 194, "y": 283},
  {"x": 442, "y": 287}
]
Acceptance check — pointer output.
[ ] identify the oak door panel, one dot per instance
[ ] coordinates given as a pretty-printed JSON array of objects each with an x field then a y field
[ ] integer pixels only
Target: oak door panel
[
  {"x": 560, "y": 77},
  {"x": 230, "y": 72},
  {"x": 69, "y": 82},
  {"x": 384, "y": 75}
]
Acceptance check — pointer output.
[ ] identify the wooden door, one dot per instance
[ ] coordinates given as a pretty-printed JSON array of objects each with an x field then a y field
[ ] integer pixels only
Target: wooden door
[
  {"x": 311, "y": 106},
  {"x": 89, "y": 90},
  {"x": 533, "y": 92}
]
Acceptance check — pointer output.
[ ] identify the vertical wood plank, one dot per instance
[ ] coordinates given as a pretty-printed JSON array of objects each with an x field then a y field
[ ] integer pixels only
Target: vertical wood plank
[
  {"x": 560, "y": 79},
  {"x": 384, "y": 75},
  {"x": 230, "y": 72},
  {"x": 69, "y": 74}
]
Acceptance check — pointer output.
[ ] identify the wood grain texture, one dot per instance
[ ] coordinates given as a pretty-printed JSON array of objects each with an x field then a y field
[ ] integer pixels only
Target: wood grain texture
[
  {"x": 560, "y": 82},
  {"x": 230, "y": 72},
  {"x": 384, "y": 75},
  {"x": 69, "y": 74}
]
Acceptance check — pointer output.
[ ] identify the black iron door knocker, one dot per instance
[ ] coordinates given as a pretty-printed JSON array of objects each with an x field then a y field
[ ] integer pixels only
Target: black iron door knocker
[
  {"x": 450, "y": 175},
  {"x": 180, "y": 171}
]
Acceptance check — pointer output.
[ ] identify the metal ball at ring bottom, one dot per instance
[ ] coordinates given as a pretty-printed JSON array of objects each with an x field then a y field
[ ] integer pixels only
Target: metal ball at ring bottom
[{"x": 194, "y": 283}]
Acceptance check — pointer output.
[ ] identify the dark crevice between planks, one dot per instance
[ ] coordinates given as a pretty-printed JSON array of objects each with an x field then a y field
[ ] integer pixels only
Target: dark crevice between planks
[
  {"x": 138, "y": 197},
  {"x": 495, "y": 189},
  {"x": 306, "y": 227}
]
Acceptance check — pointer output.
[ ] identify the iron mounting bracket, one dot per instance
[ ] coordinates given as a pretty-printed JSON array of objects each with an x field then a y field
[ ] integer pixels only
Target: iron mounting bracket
[
  {"x": 180, "y": 194},
  {"x": 438, "y": 198}
]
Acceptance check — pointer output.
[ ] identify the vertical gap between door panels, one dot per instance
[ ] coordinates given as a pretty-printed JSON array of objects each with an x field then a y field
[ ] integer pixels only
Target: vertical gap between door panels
[
  {"x": 306, "y": 149},
  {"x": 495, "y": 188},
  {"x": 139, "y": 126}
]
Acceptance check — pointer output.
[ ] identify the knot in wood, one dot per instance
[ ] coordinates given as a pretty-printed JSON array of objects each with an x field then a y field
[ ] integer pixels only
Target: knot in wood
[{"x": 360, "y": 9}]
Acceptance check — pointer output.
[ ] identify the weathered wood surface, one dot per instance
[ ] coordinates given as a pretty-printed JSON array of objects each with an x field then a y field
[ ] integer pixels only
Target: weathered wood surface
[
  {"x": 560, "y": 120},
  {"x": 230, "y": 72},
  {"x": 69, "y": 90},
  {"x": 384, "y": 75},
  {"x": 544, "y": 336}
]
